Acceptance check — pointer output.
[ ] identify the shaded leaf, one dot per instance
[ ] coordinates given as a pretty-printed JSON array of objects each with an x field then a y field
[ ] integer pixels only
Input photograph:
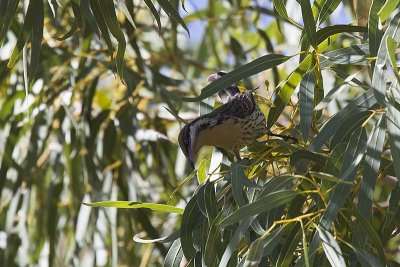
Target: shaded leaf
[
  {"x": 173, "y": 13},
  {"x": 306, "y": 102},
  {"x": 309, "y": 22},
  {"x": 331, "y": 248},
  {"x": 247, "y": 70},
  {"x": 263, "y": 204}
]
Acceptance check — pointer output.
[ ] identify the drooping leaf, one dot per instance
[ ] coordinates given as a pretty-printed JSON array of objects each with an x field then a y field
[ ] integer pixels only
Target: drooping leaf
[
  {"x": 374, "y": 34},
  {"x": 306, "y": 102},
  {"x": 173, "y": 13},
  {"x": 371, "y": 170},
  {"x": 365, "y": 100},
  {"x": 393, "y": 126},
  {"x": 153, "y": 10},
  {"x": 331, "y": 248},
  {"x": 175, "y": 255}
]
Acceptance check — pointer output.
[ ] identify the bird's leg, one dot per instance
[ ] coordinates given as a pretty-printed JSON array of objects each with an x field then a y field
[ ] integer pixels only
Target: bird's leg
[{"x": 284, "y": 137}]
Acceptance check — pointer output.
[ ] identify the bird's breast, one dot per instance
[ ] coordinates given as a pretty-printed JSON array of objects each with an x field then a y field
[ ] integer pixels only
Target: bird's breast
[{"x": 224, "y": 135}]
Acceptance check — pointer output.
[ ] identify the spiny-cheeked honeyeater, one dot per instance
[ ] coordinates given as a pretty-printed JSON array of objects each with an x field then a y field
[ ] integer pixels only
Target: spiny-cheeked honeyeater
[{"x": 232, "y": 126}]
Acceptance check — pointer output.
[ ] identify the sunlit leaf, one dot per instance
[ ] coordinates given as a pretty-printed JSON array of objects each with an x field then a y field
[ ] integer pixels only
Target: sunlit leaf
[
  {"x": 135, "y": 205},
  {"x": 387, "y": 9}
]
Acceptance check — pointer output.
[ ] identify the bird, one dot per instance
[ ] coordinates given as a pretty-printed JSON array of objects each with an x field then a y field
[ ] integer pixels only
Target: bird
[{"x": 237, "y": 123}]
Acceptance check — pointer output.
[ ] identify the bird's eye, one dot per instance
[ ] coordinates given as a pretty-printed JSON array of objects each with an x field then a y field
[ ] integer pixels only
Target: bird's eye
[{"x": 185, "y": 141}]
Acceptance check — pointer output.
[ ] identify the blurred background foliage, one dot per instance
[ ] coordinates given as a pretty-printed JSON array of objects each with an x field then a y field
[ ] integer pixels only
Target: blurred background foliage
[{"x": 89, "y": 97}]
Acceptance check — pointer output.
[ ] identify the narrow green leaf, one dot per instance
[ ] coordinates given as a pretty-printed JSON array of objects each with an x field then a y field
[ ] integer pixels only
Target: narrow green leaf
[
  {"x": 365, "y": 100},
  {"x": 202, "y": 171},
  {"x": 210, "y": 202},
  {"x": 301, "y": 159},
  {"x": 335, "y": 91},
  {"x": 387, "y": 9},
  {"x": 391, "y": 46},
  {"x": 348, "y": 126},
  {"x": 306, "y": 102},
  {"x": 235, "y": 240},
  {"x": 101, "y": 23},
  {"x": 166, "y": 239},
  {"x": 88, "y": 15},
  {"x": 393, "y": 126},
  {"x": 281, "y": 9},
  {"x": 25, "y": 32},
  {"x": 309, "y": 22},
  {"x": 68, "y": 34},
  {"x": 247, "y": 70},
  {"x": 394, "y": 207},
  {"x": 328, "y": 31},
  {"x": 354, "y": 153},
  {"x": 379, "y": 76},
  {"x": 329, "y": 177},
  {"x": 8, "y": 9},
  {"x": 153, "y": 11},
  {"x": 190, "y": 221},
  {"x": 371, "y": 170},
  {"x": 187, "y": 179},
  {"x": 374, "y": 34},
  {"x": 260, "y": 245},
  {"x": 331, "y": 248},
  {"x": 277, "y": 183},
  {"x": 352, "y": 157},
  {"x": 124, "y": 8},
  {"x": 353, "y": 55},
  {"x": 79, "y": 21},
  {"x": 36, "y": 42},
  {"x": 316, "y": 8},
  {"x": 173, "y": 13},
  {"x": 289, "y": 246},
  {"x": 211, "y": 247},
  {"x": 135, "y": 205},
  {"x": 290, "y": 85},
  {"x": 115, "y": 29},
  {"x": 261, "y": 205},
  {"x": 237, "y": 176},
  {"x": 175, "y": 255},
  {"x": 367, "y": 259},
  {"x": 327, "y": 9},
  {"x": 286, "y": 91},
  {"x": 372, "y": 234}
]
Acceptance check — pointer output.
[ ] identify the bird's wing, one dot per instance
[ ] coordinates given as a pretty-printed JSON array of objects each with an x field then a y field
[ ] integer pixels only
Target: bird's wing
[{"x": 240, "y": 106}]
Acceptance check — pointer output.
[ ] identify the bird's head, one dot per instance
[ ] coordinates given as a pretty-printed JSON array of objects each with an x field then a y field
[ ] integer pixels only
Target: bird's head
[{"x": 187, "y": 140}]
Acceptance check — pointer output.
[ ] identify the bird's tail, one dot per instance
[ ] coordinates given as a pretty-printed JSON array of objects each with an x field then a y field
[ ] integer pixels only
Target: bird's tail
[{"x": 225, "y": 94}]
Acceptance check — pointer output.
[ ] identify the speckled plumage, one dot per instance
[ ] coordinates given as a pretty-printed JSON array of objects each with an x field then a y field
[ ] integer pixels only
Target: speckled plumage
[
  {"x": 232, "y": 126},
  {"x": 241, "y": 110}
]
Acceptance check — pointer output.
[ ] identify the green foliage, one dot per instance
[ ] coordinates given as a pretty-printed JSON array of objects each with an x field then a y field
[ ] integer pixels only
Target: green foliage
[{"x": 84, "y": 92}]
